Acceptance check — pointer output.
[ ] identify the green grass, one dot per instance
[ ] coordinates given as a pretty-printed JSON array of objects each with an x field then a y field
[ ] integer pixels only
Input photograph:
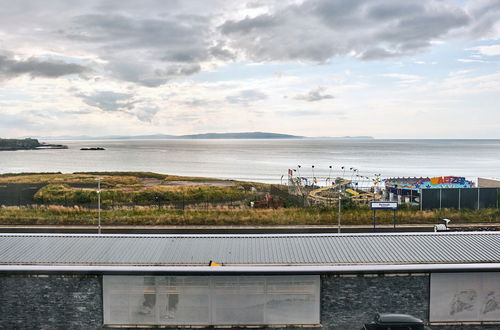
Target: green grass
[{"x": 57, "y": 215}]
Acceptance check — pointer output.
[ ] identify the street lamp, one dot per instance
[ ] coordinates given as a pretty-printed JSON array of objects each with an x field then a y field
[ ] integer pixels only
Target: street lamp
[
  {"x": 99, "y": 204},
  {"x": 340, "y": 206},
  {"x": 313, "y": 178},
  {"x": 329, "y": 175}
]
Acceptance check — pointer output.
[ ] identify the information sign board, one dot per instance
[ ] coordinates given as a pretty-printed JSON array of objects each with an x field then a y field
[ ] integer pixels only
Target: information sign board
[{"x": 383, "y": 205}]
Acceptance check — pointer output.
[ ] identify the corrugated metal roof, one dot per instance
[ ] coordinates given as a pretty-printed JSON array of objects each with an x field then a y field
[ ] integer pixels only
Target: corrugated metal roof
[{"x": 250, "y": 250}]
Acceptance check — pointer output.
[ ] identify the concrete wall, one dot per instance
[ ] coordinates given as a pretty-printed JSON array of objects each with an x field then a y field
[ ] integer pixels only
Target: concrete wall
[{"x": 75, "y": 302}]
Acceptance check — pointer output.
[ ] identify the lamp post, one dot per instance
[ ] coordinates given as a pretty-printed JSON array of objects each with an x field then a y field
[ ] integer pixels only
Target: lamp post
[
  {"x": 354, "y": 170},
  {"x": 329, "y": 175},
  {"x": 340, "y": 207},
  {"x": 99, "y": 205}
]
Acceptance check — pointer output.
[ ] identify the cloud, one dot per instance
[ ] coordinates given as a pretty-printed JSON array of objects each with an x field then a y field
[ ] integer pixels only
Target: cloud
[
  {"x": 246, "y": 96},
  {"x": 196, "y": 102},
  {"x": 318, "y": 30},
  {"x": 147, "y": 51},
  {"x": 109, "y": 101},
  {"x": 485, "y": 23},
  {"x": 128, "y": 103},
  {"x": 146, "y": 113},
  {"x": 173, "y": 36},
  {"x": 11, "y": 68},
  {"x": 155, "y": 42},
  {"x": 404, "y": 78},
  {"x": 221, "y": 52},
  {"x": 314, "y": 95},
  {"x": 469, "y": 60},
  {"x": 493, "y": 50},
  {"x": 301, "y": 113}
]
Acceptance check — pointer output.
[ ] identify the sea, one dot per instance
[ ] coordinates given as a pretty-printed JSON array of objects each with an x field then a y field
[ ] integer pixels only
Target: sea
[{"x": 268, "y": 160}]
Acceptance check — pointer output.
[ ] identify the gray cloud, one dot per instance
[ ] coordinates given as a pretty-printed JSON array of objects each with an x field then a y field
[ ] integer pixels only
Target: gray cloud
[
  {"x": 11, "y": 68},
  {"x": 248, "y": 25},
  {"x": 319, "y": 30},
  {"x": 486, "y": 20},
  {"x": 221, "y": 52},
  {"x": 154, "y": 41},
  {"x": 147, "y": 73},
  {"x": 195, "y": 102},
  {"x": 143, "y": 50},
  {"x": 171, "y": 35},
  {"x": 390, "y": 10},
  {"x": 146, "y": 114},
  {"x": 246, "y": 96},
  {"x": 314, "y": 95},
  {"x": 180, "y": 70},
  {"x": 109, "y": 101}
]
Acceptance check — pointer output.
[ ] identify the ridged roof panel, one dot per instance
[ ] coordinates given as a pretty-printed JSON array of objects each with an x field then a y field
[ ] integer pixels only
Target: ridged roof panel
[{"x": 248, "y": 250}]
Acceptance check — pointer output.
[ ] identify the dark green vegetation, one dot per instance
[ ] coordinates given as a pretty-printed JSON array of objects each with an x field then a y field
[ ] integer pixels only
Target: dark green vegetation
[
  {"x": 19, "y": 144},
  {"x": 27, "y": 144}
]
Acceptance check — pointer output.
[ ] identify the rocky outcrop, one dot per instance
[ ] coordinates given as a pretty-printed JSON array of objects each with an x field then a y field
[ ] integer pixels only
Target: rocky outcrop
[{"x": 27, "y": 144}]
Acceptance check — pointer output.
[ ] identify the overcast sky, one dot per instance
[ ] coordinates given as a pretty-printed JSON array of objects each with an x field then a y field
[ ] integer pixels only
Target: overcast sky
[{"x": 386, "y": 68}]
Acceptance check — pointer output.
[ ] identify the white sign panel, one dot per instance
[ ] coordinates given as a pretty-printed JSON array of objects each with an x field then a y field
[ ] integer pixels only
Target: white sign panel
[
  {"x": 463, "y": 297},
  {"x": 384, "y": 205}
]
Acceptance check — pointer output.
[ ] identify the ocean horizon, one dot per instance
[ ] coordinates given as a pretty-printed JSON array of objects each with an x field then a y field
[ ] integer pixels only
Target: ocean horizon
[{"x": 267, "y": 160}]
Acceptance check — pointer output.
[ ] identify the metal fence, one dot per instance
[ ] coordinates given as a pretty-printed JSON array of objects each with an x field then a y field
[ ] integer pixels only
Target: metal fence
[{"x": 459, "y": 198}]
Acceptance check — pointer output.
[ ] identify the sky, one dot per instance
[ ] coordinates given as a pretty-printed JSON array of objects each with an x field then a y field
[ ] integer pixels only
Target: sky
[{"x": 383, "y": 68}]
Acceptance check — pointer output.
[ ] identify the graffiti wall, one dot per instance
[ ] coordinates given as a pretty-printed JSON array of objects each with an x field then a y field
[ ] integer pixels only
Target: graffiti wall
[
  {"x": 426, "y": 183},
  {"x": 465, "y": 297}
]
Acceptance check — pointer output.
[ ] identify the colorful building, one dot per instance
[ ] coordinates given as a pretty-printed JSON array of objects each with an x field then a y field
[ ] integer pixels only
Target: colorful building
[{"x": 427, "y": 183}]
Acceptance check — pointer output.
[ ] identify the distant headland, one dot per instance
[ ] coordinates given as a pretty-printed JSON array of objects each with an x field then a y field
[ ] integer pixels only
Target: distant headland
[
  {"x": 27, "y": 144},
  {"x": 239, "y": 135}
]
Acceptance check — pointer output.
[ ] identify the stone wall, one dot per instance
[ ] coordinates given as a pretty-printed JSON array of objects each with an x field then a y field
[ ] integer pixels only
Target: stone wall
[
  {"x": 50, "y": 302},
  {"x": 349, "y": 301}
]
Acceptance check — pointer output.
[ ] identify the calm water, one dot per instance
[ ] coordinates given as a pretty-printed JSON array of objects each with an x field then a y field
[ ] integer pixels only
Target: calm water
[{"x": 267, "y": 160}]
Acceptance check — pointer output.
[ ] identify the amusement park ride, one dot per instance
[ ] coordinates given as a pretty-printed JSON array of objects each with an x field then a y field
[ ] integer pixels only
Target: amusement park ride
[{"x": 357, "y": 188}]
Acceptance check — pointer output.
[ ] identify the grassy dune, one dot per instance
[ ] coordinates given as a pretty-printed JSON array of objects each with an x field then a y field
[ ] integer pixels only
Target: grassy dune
[{"x": 132, "y": 187}]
